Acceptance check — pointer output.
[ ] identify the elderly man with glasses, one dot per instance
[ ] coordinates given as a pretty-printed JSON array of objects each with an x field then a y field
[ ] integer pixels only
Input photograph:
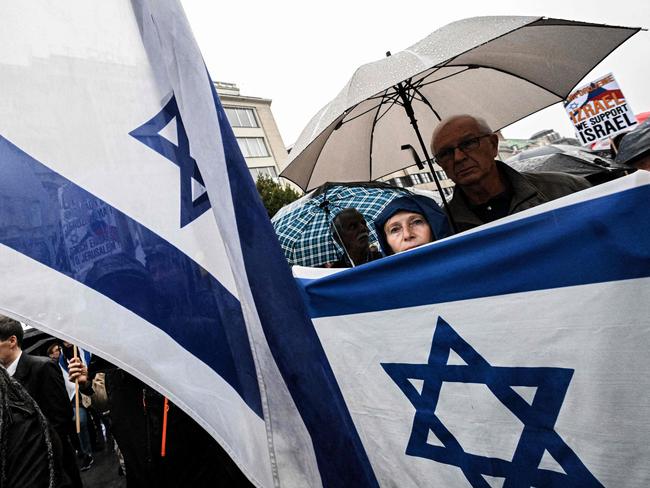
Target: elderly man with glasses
[{"x": 487, "y": 189}]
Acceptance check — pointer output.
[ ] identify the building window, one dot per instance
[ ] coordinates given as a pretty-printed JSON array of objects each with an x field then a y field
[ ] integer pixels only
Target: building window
[
  {"x": 268, "y": 171},
  {"x": 241, "y": 117},
  {"x": 253, "y": 147}
]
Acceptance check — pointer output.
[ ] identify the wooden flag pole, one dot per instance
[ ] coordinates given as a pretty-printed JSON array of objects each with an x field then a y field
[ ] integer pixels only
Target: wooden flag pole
[{"x": 76, "y": 397}]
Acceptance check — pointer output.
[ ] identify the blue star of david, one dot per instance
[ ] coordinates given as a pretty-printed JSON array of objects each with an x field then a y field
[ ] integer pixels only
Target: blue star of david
[
  {"x": 149, "y": 134},
  {"x": 538, "y": 418}
]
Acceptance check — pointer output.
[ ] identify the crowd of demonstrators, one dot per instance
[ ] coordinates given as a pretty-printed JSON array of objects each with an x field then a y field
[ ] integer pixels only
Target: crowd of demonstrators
[
  {"x": 192, "y": 457},
  {"x": 37, "y": 394},
  {"x": 36, "y": 449},
  {"x": 44, "y": 383},
  {"x": 486, "y": 189}
]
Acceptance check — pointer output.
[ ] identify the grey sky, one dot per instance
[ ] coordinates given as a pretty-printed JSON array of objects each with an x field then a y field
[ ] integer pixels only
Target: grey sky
[{"x": 300, "y": 54}]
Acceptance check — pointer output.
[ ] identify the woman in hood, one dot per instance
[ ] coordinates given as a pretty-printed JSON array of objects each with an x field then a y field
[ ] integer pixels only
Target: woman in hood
[{"x": 408, "y": 222}]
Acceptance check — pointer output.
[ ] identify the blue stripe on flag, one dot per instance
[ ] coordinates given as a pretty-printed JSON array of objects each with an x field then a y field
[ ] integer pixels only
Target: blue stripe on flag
[
  {"x": 594, "y": 241},
  {"x": 48, "y": 216},
  {"x": 296, "y": 349}
]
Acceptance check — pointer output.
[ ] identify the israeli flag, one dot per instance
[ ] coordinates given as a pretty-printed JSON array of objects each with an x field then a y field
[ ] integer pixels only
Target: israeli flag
[
  {"x": 514, "y": 355},
  {"x": 129, "y": 225}
]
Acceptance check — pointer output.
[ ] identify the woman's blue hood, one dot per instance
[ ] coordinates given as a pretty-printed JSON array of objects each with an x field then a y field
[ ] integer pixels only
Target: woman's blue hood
[{"x": 425, "y": 206}]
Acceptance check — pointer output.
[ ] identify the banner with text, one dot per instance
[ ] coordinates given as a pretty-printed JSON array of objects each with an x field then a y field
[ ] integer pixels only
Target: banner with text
[{"x": 599, "y": 110}]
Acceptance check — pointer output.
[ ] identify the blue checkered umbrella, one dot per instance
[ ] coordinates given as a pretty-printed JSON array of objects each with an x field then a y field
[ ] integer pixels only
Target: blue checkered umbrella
[{"x": 303, "y": 227}]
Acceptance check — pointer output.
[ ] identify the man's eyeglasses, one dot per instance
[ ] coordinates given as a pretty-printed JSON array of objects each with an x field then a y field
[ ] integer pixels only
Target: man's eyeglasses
[{"x": 447, "y": 155}]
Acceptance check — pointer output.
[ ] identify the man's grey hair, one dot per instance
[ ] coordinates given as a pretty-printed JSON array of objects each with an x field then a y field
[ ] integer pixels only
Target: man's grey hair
[{"x": 480, "y": 122}]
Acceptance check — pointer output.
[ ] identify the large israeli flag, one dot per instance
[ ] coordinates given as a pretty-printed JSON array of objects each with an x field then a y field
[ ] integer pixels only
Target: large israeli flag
[
  {"x": 515, "y": 355},
  {"x": 110, "y": 135}
]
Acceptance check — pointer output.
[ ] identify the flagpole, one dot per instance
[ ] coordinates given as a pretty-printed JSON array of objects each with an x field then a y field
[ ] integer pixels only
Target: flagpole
[
  {"x": 76, "y": 396},
  {"x": 163, "y": 444}
]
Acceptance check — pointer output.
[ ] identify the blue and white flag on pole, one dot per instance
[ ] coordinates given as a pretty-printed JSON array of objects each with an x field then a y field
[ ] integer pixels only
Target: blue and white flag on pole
[
  {"x": 512, "y": 355},
  {"x": 129, "y": 225}
]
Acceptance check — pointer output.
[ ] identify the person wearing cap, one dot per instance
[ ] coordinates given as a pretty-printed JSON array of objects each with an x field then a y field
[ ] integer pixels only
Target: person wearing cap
[
  {"x": 409, "y": 222},
  {"x": 634, "y": 148},
  {"x": 487, "y": 189}
]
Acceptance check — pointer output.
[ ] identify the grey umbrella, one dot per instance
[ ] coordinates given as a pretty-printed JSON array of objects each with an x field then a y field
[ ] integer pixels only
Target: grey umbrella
[
  {"x": 567, "y": 159},
  {"x": 498, "y": 68}
]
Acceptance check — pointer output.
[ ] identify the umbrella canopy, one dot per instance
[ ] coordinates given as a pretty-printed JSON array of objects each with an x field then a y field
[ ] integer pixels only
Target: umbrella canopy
[
  {"x": 36, "y": 342},
  {"x": 303, "y": 227},
  {"x": 498, "y": 68},
  {"x": 547, "y": 150},
  {"x": 567, "y": 159}
]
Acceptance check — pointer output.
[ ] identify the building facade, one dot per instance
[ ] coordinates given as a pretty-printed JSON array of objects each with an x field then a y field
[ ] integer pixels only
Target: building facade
[{"x": 255, "y": 129}]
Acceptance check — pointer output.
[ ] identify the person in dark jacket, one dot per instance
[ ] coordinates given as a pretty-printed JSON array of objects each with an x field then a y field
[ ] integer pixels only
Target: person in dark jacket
[
  {"x": 408, "y": 222},
  {"x": 30, "y": 451},
  {"x": 43, "y": 381},
  {"x": 487, "y": 189}
]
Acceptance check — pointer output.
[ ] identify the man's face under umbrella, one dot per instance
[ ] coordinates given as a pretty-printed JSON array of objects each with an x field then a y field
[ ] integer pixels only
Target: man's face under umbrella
[
  {"x": 353, "y": 230},
  {"x": 464, "y": 151}
]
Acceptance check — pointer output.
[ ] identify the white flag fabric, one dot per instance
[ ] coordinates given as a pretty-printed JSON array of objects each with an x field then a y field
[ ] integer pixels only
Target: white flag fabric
[
  {"x": 130, "y": 226},
  {"x": 515, "y": 354}
]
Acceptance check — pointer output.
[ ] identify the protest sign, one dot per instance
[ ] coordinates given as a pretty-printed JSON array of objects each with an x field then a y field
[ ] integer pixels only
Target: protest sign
[{"x": 599, "y": 110}]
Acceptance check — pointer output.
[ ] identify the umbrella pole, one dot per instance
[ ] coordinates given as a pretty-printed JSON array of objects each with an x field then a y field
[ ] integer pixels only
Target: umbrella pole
[
  {"x": 408, "y": 107},
  {"x": 326, "y": 208}
]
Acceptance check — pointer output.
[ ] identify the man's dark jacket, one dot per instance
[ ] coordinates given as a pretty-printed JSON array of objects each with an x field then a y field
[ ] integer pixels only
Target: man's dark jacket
[
  {"x": 529, "y": 190},
  {"x": 26, "y": 449},
  {"x": 42, "y": 379}
]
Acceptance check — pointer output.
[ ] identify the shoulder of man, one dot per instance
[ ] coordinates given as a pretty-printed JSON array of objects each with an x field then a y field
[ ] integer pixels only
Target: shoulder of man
[
  {"x": 555, "y": 185},
  {"x": 36, "y": 364}
]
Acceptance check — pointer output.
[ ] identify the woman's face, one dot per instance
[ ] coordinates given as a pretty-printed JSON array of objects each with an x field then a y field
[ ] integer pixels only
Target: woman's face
[
  {"x": 406, "y": 230},
  {"x": 54, "y": 353}
]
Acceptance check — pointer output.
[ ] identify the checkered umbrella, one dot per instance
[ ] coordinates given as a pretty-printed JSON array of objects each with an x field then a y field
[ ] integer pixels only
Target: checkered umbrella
[{"x": 303, "y": 227}]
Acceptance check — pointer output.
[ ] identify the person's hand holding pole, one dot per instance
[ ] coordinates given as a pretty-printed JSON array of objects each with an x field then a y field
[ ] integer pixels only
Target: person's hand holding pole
[{"x": 77, "y": 372}]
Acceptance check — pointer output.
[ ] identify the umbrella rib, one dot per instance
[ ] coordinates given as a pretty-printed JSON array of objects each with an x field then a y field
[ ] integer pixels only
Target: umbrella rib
[
  {"x": 475, "y": 66},
  {"x": 440, "y": 79},
  {"x": 425, "y": 100},
  {"x": 388, "y": 107},
  {"x": 372, "y": 134},
  {"x": 561, "y": 97},
  {"x": 370, "y": 109}
]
